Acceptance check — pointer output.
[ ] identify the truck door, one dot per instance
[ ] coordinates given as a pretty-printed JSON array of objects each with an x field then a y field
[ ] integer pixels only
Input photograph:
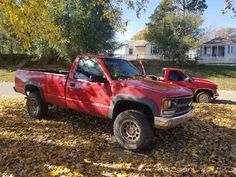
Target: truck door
[
  {"x": 179, "y": 78},
  {"x": 86, "y": 95}
]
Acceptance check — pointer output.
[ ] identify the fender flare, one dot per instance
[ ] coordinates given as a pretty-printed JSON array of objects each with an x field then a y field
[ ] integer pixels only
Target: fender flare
[
  {"x": 34, "y": 84},
  {"x": 139, "y": 99},
  {"x": 203, "y": 89}
]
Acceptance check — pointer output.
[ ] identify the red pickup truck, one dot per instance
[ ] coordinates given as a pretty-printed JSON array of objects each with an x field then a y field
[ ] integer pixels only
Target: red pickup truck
[
  {"x": 204, "y": 90},
  {"x": 111, "y": 88}
]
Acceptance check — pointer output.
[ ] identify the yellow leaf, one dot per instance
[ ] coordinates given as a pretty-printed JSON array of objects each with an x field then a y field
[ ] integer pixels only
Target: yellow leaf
[
  {"x": 87, "y": 161},
  {"x": 123, "y": 173},
  {"x": 26, "y": 45},
  {"x": 53, "y": 173},
  {"x": 76, "y": 172}
]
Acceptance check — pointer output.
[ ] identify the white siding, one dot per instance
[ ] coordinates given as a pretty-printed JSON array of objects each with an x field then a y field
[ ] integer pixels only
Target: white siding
[
  {"x": 138, "y": 52},
  {"x": 219, "y": 56}
]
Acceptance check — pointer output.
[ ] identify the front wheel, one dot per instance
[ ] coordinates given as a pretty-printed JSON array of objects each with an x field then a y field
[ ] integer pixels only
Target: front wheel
[
  {"x": 203, "y": 97},
  {"x": 36, "y": 107},
  {"x": 133, "y": 130}
]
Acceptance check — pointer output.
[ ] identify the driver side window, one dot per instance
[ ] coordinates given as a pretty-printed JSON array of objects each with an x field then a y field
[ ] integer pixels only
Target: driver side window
[
  {"x": 88, "y": 67},
  {"x": 176, "y": 76}
]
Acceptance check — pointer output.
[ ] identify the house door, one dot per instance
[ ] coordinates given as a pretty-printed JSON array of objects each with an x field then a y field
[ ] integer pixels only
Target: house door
[
  {"x": 214, "y": 51},
  {"x": 221, "y": 51}
]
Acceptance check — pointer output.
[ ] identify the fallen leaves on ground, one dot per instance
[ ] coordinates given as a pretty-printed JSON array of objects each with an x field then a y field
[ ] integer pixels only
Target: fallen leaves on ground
[{"x": 68, "y": 143}]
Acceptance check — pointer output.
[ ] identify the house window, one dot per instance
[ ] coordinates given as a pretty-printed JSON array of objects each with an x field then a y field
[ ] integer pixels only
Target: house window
[
  {"x": 131, "y": 51},
  {"x": 154, "y": 50},
  {"x": 229, "y": 49},
  {"x": 232, "y": 49},
  {"x": 205, "y": 50}
]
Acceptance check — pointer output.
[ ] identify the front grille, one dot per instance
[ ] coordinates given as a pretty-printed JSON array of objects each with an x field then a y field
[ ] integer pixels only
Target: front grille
[
  {"x": 182, "y": 109},
  {"x": 184, "y": 105},
  {"x": 178, "y": 107}
]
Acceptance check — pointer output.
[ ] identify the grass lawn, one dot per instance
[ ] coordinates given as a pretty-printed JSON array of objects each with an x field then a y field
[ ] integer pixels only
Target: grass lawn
[
  {"x": 7, "y": 75},
  {"x": 224, "y": 76},
  {"x": 67, "y": 143}
]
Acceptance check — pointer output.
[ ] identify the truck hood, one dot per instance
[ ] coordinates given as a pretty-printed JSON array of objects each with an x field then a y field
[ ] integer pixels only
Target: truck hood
[
  {"x": 203, "y": 82},
  {"x": 169, "y": 90}
]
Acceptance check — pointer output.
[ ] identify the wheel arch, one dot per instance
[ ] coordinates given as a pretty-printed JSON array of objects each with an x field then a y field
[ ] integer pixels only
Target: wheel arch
[
  {"x": 32, "y": 86},
  {"x": 203, "y": 90},
  {"x": 125, "y": 102}
]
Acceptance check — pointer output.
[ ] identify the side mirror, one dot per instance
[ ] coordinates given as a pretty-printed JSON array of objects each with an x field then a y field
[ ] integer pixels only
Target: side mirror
[
  {"x": 188, "y": 79},
  {"x": 99, "y": 79}
]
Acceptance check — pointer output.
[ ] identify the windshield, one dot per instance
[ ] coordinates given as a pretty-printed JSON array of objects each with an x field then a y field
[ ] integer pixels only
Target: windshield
[{"x": 119, "y": 68}]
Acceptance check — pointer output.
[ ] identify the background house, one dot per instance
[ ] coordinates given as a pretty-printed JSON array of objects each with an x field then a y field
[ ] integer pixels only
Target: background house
[
  {"x": 138, "y": 49},
  {"x": 141, "y": 49},
  {"x": 218, "y": 50}
]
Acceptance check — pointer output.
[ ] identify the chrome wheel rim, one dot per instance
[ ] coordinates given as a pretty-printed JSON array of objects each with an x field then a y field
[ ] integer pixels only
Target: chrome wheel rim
[
  {"x": 130, "y": 131},
  {"x": 203, "y": 98}
]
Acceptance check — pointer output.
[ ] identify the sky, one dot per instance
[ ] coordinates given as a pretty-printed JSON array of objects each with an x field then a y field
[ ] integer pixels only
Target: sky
[{"x": 212, "y": 18}]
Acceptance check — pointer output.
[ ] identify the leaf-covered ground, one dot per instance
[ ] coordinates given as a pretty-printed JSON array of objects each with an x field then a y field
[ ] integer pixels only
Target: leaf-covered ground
[{"x": 67, "y": 143}]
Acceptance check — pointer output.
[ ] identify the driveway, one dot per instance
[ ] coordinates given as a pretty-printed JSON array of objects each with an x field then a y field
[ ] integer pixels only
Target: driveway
[
  {"x": 6, "y": 89},
  {"x": 227, "y": 95}
]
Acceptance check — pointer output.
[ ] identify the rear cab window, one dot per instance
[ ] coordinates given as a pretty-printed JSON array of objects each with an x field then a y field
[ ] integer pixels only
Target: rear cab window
[
  {"x": 163, "y": 73},
  {"x": 176, "y": 76}
]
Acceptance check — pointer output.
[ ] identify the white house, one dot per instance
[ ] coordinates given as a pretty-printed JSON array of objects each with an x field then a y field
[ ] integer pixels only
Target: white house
[
  {"x": 218, "y": 50},
  {"x": 141, "y": 49},
  {"x": 138, "y": 49}
]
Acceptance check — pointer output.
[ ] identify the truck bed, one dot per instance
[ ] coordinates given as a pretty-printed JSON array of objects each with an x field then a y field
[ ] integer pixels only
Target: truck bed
[{"x": 51, "y": 82}]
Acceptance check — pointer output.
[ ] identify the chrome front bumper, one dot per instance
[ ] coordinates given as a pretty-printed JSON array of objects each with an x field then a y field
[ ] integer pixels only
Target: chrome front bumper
[{"x": 165, "y": 123}]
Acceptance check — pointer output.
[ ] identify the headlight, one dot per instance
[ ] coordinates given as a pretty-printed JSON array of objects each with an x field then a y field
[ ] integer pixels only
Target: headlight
[
  {"x": 169, "y": 107},
  {"x": 169, "y": 104}
]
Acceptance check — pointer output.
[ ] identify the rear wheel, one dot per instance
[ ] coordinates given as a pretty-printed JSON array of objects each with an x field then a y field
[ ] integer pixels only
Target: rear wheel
[
  {"x": 203, "y": 97},
  {"x": 133, "y": 130},
  {"x": 36, "y": 107}
]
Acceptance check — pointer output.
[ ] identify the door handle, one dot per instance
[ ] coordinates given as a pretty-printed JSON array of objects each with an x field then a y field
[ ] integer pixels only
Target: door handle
[{"x": 72, "y": 84}]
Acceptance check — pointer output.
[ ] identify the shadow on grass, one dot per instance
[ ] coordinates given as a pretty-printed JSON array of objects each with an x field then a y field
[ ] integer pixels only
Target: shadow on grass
[{"x": 68, "y": 142}]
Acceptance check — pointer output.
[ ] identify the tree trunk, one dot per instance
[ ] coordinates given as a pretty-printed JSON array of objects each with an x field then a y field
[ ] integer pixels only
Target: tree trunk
[
  {"x": 11, "y": 47},
  {"x": 184, "y": 7}
]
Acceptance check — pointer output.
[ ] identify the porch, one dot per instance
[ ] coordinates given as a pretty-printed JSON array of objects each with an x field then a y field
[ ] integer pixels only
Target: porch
[{"x": 213, "y": 51}]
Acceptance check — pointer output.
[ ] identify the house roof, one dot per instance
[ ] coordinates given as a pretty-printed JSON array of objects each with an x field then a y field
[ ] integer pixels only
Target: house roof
[
  {"x": 137, "y": 43},
  {"x": 221, "y": 40}
]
